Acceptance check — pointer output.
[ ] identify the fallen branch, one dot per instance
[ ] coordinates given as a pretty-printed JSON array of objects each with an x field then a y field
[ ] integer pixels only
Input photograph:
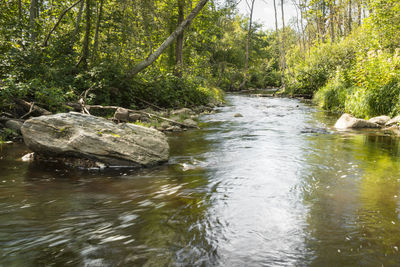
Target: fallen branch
[
  {"x": 150, "y": 115},
  {"x": 35, "y": 108},
  {"x": 30, "y": 110}
]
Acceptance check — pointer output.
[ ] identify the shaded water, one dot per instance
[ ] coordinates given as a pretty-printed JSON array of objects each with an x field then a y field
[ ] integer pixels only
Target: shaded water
[{"x": 271, "y": 188}]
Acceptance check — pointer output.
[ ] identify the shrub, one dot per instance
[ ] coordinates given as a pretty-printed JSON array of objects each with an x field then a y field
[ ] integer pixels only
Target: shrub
[{"x": 333, "y": 95}]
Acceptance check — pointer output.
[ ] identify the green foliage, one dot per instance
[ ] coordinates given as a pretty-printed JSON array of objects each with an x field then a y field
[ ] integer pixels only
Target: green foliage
[
  {"x": 313, "y": 72},
  {"x": 333, "y": 95},
  {"x": 119, "y": 37},
  {"x": 359, "y": 74},
  {"x": 376, "y": 78}
]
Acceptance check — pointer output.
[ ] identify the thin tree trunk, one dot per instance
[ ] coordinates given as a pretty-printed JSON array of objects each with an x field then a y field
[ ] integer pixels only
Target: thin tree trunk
[
  {"x": 33, "y": 14},
  {"x": 331, "y": 20},
  {"x": 20, "y": 18},
  {"x": 167, "y": 42},
  {"x": 246, "y": 62},
  {"x": 278, "y": 40},
  {"x": 350, "y": 16},
  {"x": 86, "y": 41},
  {"x": 59, "y": 20},
  {"x": 283, "y": 45},
  {"x": 96, "y": 35},
  {"x": 20, "y": 11},
  {"x": 78, "y": 20},
  {"x": 302, "y": 29},
  {"x": 179, "y": 41}
]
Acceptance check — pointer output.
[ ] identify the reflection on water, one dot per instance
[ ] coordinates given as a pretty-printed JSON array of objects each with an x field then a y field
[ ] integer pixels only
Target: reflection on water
[{"x": 276, "y": 187}]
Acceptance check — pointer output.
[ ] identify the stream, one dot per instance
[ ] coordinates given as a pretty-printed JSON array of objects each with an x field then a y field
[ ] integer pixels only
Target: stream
[{"x": 276, "y": 187}]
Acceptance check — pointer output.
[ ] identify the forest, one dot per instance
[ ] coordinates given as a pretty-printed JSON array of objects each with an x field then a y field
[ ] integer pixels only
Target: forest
[
  {"x": 53, "y": 51},
  {"x": 176, "y": 53}
]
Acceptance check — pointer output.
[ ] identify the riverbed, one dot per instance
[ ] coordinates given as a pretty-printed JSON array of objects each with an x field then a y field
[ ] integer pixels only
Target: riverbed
[{"x": 276, "y": 187}]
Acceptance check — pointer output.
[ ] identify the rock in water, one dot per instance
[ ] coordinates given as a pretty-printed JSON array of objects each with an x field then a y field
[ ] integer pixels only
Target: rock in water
[
  {"x": 381, "y": 120},
  {"x": 84, "y": 136},
  {"x": 393, "y": 122},
  {"x": 346, "y": 121}
]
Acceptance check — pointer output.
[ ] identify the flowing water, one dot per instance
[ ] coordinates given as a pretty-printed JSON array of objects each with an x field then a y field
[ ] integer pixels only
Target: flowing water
[{"x": 276, "y": 187}]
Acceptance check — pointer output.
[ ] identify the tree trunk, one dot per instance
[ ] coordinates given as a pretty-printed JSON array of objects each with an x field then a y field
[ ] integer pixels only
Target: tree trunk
[
  {"x": 20, "y": 12},
  {"x": 96, "y": 35},
  {"x": 167, "y": 42},
  {"x": 283, "y": 45},
  {"x": 350, "y": 16},
  {"x": 302, "y": 29},
  {"x": 33, "y": 14},
  {"x": 86, "y": 41},
  {"x": 246, "y": 61},
  {"x": 179, "y": 41},
  {"x": 78, "y": 19},
  {"x": 331, "y": 20},
  {"x": 278, "y": 40}
]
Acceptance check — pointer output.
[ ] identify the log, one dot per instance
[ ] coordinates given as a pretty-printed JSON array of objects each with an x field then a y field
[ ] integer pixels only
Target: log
[{"x": 28, "y": 106}]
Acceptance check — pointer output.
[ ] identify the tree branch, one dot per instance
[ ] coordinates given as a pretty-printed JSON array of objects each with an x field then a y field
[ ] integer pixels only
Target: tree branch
[
  {"x": 58, "y": 22},
  {"x": 153, "y": 57}
]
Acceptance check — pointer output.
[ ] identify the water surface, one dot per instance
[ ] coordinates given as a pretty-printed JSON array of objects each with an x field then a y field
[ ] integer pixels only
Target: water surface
[{"x": 276, "y": 187}]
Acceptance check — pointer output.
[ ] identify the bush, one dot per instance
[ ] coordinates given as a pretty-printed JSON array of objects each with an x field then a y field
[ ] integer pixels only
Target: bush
[
  {"x": 333, "y": 95},
  {"x": 311, "y": 73}
]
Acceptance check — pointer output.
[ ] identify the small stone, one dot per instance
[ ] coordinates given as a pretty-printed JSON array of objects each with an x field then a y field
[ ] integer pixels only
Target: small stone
[
  {"x": 28, "y": 157},
  {"x": 190, "y": 122},
  {"x": 237, "y": 115},
  {"x": 175, "y": 118},
  {"x": 133, "y": 117},
  {"x": 174, "y": 129},
  {"x": 14, "y": 125},
  {"x": 165, "y": 124},
  {"x": 182, "y": 112},
  {"x": 121, "y": 114}
]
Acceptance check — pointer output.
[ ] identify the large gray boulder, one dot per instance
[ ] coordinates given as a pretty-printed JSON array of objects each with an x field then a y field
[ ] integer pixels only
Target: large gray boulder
[
  {"x": 346, "y": 121},
  {"x": 76, "y": 135}
]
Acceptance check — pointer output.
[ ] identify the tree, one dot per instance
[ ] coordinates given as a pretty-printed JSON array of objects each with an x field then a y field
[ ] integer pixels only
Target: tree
[
  {"x": 33, "y": 14},
  {"x": 179, "y": 30},
  {"x": 179, "y": 41},
  {"x": 246, "y": 62}
]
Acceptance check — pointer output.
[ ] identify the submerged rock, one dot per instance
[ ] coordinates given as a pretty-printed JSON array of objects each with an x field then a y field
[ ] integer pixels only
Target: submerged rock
[
  {"x": 346, "y": 121},
  {"x": 380, "y": 120},
  {"x": 81, "y": 136},
  {"x": 237, "y": 115}
]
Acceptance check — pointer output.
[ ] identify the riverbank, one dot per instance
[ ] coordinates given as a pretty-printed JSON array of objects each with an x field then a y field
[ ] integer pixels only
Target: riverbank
[{"x": 162, "y": 119}]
